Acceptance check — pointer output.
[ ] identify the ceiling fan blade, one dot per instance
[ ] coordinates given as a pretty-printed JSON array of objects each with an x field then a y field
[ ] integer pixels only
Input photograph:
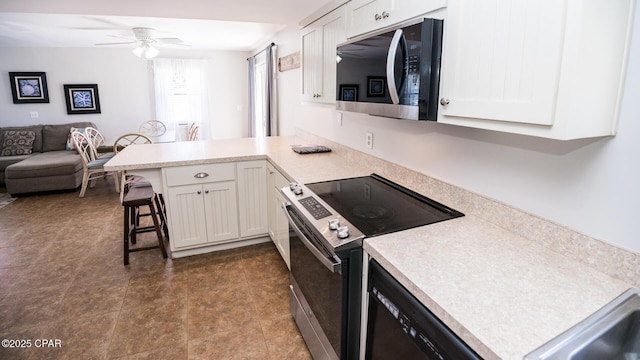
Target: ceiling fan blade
[
  {"x": 107, "y": 23},
  {"x": 118, "y": 43},
  {"x": 174, "y": 41},
  {"x": 123, "y": 37}
]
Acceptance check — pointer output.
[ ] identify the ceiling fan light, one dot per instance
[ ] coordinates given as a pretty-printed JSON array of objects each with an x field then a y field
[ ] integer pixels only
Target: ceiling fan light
[
  {"x": 151, "y": 52},
  {"x": 138, "y": 51}
]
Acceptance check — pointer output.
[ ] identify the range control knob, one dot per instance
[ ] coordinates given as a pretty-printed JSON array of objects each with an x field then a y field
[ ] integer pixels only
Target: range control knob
[
  {"x": 334, "y": 224},
  {"x": 293, "y": 185},
  {"x": 343, "y": 232},
  {"x": 297, "y": 190}
]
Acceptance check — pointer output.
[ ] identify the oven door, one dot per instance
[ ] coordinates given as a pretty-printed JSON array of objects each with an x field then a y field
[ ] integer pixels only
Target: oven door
[{"x": 316, "y": 299}]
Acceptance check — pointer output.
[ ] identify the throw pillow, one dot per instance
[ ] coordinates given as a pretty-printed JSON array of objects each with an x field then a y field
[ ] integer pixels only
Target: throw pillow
[
  {"x": 70, "y": 144},
  {"x": 18, "y": 142}
]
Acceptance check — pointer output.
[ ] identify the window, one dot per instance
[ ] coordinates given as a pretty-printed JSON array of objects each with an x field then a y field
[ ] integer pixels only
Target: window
[{"x": 181, "y": 95}]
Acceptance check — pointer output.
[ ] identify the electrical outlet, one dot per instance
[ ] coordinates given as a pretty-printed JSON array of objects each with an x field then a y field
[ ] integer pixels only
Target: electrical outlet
[
  {"x": 34, "y": 115},
  {"x": 369, "y": 142}
]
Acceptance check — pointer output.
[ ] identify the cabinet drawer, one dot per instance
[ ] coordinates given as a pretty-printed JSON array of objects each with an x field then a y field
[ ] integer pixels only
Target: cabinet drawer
[{"x": 184, "y": 175}]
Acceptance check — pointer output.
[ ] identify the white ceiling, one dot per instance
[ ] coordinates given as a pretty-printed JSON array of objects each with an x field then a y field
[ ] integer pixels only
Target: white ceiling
[{"x": 239, "y": 25}]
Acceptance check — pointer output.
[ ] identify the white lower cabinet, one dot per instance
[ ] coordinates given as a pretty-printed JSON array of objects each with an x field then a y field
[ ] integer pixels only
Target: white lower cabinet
[
  {"x": 216, "y": 206},
  {"x": 202, "y": 204},
  {"x": 203, "y": 214},
  {"x": 252, "y": 197},
  {"x": 278, "y": 223}
]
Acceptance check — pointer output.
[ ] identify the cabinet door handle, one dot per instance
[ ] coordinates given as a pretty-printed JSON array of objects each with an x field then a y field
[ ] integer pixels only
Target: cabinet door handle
[
  {"x": 201, "y": 175},
  {"x": 377, "y": 17},
  {"x": 385, "y": 14},
  {"x": 206, "y": 191},
  {"x": 199, "y": 192},
  {"x": 444, "y": 101}
]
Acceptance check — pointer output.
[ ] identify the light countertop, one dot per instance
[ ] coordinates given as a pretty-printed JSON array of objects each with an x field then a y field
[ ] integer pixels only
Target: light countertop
[{"x": 502, "y": 294}]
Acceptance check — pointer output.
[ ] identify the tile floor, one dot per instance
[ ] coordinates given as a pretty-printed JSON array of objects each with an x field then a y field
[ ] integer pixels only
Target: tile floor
[{"x": 62, "y": 277}]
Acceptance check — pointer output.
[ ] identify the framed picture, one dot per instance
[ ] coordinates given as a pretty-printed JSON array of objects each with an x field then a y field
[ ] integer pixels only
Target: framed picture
[
  {"x": 82, "y": 99},
  {"x": 375, "y": 86},
  {"x": 349, "y": 92},
  {"x": 29, "y": 87}
]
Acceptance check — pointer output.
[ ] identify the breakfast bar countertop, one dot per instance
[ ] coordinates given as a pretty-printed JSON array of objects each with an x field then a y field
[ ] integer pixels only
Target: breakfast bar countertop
[
  {"x": 302, "y": 168},
  {"x": 501, "y": 293}
]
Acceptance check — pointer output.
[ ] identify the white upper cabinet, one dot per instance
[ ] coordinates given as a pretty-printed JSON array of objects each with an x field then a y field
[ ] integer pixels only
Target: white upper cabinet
[
  {"x": 318, "y": 43},
  {"x": 367, "y": 15},
  {"x": 545, "y": 68}
]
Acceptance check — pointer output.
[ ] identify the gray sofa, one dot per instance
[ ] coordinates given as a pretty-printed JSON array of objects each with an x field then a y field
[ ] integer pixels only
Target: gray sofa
[{"x": 49, "y": 167}]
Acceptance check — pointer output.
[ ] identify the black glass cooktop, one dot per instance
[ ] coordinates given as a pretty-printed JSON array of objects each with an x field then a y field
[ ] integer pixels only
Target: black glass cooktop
[{"x": 378, "y": 206}]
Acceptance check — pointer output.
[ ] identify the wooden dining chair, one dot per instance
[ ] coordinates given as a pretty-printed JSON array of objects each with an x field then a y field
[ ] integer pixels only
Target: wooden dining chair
[
  {"x": 96, "y": 139},
  {"x": 121, "y": 143},
  {"x": 92, "y": 168},
  {"x": 193, "y": 132},
  {"x": 153, "y": 128}
]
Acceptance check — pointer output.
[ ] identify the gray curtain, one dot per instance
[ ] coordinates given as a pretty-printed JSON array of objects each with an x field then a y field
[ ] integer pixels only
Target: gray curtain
[
  {"x": 270, "y": 93},
  {"x": 252, "y": 100}
]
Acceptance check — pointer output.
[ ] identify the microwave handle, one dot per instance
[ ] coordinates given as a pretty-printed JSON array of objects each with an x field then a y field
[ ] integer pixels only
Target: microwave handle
[{"x": 391, "y": 64}]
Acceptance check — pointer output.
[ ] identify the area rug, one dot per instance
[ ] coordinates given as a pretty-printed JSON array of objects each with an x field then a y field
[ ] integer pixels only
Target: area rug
[{"x": 5, "y": 199}]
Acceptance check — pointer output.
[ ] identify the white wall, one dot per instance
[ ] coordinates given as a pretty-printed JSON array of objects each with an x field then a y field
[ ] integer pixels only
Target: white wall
[
  {"x": 122, "y": 87},
  {"x": 228, "y": 104},
  {"x": 592, "y": 186},
  {"x": 125, "y": 85}
]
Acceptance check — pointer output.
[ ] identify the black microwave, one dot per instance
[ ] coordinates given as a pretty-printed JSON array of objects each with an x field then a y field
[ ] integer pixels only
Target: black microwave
[{"x": 395, "y": 73}]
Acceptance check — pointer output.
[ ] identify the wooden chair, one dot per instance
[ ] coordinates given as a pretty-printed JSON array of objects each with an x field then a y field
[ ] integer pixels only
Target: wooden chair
[
  {"x": 153, "y": 128},
  {"x": 96, "y": 139},
  {"x": 193, "y": 132},
  {"x": 122, "y": 142},
  {"x": 92, "y": 168}
]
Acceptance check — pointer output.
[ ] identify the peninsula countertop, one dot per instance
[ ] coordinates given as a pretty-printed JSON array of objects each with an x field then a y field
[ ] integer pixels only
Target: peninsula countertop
[{"x": 502, "y": 294}]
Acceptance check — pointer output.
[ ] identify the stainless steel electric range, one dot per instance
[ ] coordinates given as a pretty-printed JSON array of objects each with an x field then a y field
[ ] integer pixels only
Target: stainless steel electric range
[{"x": 328, "y": 222}]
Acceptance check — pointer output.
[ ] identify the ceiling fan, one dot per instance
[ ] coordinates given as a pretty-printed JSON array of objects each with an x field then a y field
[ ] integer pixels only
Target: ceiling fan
[{"x": 146, "y": 42}]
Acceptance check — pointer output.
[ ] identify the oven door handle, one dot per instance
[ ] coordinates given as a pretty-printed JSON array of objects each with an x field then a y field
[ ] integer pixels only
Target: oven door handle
[{"x": 333, "y": 263}]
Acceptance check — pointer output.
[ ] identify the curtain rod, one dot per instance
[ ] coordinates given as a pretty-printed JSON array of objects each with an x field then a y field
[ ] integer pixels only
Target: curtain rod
[{"x": 258, "y": 53}]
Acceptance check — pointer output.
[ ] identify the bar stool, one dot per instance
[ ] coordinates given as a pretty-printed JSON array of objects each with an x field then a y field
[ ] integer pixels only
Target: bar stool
[
  {"x": 138, "y": 181},
  {"x": 137, "y": 197}
]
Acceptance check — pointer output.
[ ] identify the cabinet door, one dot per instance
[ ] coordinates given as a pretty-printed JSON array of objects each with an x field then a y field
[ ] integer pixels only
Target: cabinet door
[
  {"x": 252, "y": 198},
  {"x": 333, "y": 33},
  {"x": 186, "y": 218},
  {"x": 364, "y": 16},
  {"x": 402, "y": 10},
  {"x": 278, "y": 223},
  {"x": 281, "y": 239},
  {"x": 271, "y": 188},
  {"x": 318, "y": 43},
  {"x": 501, "y": 60},
  {"x": 311, "y": 62},
  {"x": 221, "y": 209}
]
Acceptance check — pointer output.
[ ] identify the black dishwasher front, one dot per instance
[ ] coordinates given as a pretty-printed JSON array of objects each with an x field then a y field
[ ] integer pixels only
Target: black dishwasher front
[{"x": 400, "y": 327}]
